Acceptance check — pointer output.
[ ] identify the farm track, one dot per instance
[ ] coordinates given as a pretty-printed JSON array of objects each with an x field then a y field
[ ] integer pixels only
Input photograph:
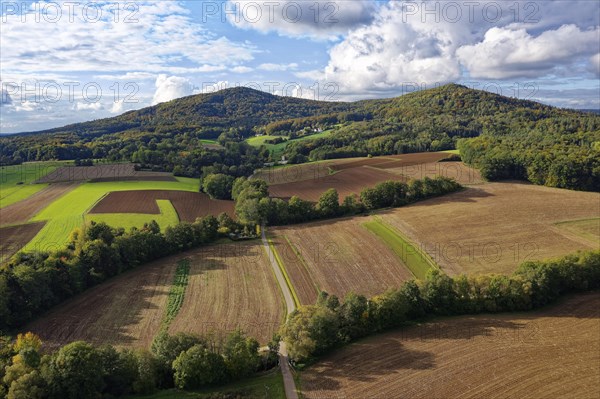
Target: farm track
[
  {"x": 23, "y": 211},
  {"x": 548, "y": 353}
]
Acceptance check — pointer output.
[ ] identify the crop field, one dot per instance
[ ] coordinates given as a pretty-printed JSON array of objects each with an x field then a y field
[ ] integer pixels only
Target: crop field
[
  {"x": 24, "y": 210},
  {"x": 226, "y": 287},
  {"x": 337, "y": 257},
  {"x": 167, "y": 216},
  {"x": 549, "y": 353},
  {"x": 294, "y": 173},
  {"x": 230, "y": 286},
  {"x": 494, "y": 227},
  {"x": 586, "y": 228},
  {"x": 346, "y": 182},
  {"x": 189, "y": 205},
  {"x": 16, "y": 180},
  {"x": 13, "y": 238},
  {"x": 126, "y": 311},
  {"x": 102, "y": 173},
  {"x": 458, "y": 171},
  {"x": 67, "y": 212},
  {"x": 393, "y": 161}
]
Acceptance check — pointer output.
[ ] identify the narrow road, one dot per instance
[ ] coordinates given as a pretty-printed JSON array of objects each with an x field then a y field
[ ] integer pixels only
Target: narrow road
[{"x": 288, "y": 378}]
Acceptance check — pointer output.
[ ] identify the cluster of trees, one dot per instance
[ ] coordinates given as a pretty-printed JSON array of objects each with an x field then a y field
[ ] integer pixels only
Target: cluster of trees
[
  {"x": 292, "y": 126},
  {"x": 571, "y": 162},
  {"x": 80, "y": 370},
  {"x": 313, "y": 330},
  {"x": 34, "y": 282},
  {"x": 254, "y": 206}
]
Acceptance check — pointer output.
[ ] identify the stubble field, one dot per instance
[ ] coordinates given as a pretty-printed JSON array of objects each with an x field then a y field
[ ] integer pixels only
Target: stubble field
[{"x": 549, "y": 353}]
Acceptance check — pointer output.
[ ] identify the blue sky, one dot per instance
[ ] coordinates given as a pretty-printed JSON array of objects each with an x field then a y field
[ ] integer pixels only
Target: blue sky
[{"x": 65, "y": 62}]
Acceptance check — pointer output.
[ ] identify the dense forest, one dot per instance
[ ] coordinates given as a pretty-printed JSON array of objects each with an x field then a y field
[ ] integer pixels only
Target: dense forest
[{"x": 505, "y": 137}]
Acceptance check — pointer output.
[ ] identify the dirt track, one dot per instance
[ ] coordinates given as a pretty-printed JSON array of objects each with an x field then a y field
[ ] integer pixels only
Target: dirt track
[
  {"x": 22, "y": 211},
  {"x": 549, "y": 353}
]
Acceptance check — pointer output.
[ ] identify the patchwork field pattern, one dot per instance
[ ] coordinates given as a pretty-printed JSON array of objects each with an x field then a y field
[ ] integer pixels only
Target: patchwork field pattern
[
  {"x": 553, "y": 352},
  {"x": 338, "y": 257},
  {"x": 103, "y": 173},
  {"x": 189, "y": 205}
]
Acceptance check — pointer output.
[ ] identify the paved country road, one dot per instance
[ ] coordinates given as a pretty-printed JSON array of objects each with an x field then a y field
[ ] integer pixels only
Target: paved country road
[{"x": 288, "y": 378}]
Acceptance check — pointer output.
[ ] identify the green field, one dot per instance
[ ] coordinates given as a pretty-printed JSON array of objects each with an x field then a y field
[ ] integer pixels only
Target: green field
[
  {"x": 15, "y": 180},
  {"x": 167, "y": 217},
  {"x": 266, "y": 386},
  {"x": 177, "y": 292},
  {"x": 452, "y": 152},
  {"x": 278, "y": 149},
  {"x": 415, "y": 259},
  {"x": 67, "y": 213},
  {"x": 586, "y": 228}
]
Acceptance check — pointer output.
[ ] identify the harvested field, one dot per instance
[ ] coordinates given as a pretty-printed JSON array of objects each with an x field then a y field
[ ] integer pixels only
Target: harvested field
[
  {"x": 231, "y": 286},
  {"x": 125, "y": 311},
  {"x": 458, "y": 171},
  {"x": 346, "y": 182},
  {"x": 103, "y": 173},
  {"x": 548, "y": 353},
  {"x": 494, "y": 227},
  {"x": 13, "y": 238},
  {"x": 393, "y": 161},
  {"x": 337, "y": 257},
  {"x": 188, "y": 205},
  {"x": 22, "y": 211}
]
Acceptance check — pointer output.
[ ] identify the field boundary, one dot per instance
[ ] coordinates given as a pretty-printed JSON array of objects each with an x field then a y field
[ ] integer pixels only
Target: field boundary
[
  {"x": 284, "y": 272},
  {"x": 564, "y": 228},
  {"x": 176, "y": 293},
  {"x": 402, "y": 247}
]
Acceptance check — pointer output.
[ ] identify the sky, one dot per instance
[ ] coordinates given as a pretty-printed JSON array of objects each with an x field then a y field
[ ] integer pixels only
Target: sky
[{"x": 70, "y": 61}]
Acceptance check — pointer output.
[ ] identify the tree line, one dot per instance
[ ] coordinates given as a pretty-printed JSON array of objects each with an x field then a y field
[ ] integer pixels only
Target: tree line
[
  {"x": 33, "y": 282},
  {"x": 80, "y": 370},
  {"x": 313, "y": 330},
  {"x": 255, "y": 206}
]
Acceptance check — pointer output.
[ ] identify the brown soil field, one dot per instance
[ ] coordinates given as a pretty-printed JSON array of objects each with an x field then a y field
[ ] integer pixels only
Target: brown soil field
[
  {"x": 494, "y": 227},
  {"x": 13, "y": 238},
  {"x": 346, "y": 182},
  {"x": 231, "y": 286},
  {"x": 103, "y": 173},
  {"x": 393, "y": 161},
  {"x": 22, "y": 211},
  {"x": 548, "y": 353},
  {"x": 458, "y": 171},
  {"x": 188, "y": 205},
  {"x": 125, "y": 311},
  {"x": 294, "y": 173},
  {"x": 338, "y": 257}
]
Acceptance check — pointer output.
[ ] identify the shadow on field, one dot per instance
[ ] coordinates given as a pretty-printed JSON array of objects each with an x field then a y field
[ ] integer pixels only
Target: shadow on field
[{"x": 382, "y": 357}]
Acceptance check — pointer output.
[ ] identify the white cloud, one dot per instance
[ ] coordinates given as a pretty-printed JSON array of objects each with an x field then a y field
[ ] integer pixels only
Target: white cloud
[
  {"x": 317, "y": 19},
  {"x": 241, "y": 69},
  {"x": 514, "y": 53},
  {"x": 389, "y": 53},
  {"x": 213, "y": 87},
  {"x": 163, "y": 38},
  {"x": 171, "y": 87},
  {"x": 277, "y": 67},
  {"x": 93, "y": 106}
]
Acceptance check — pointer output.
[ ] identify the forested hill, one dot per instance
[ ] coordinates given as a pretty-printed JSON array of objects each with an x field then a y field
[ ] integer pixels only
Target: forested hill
[
  {"x": 237, "y": 107},
  {"x": 506, "y": 136}
]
